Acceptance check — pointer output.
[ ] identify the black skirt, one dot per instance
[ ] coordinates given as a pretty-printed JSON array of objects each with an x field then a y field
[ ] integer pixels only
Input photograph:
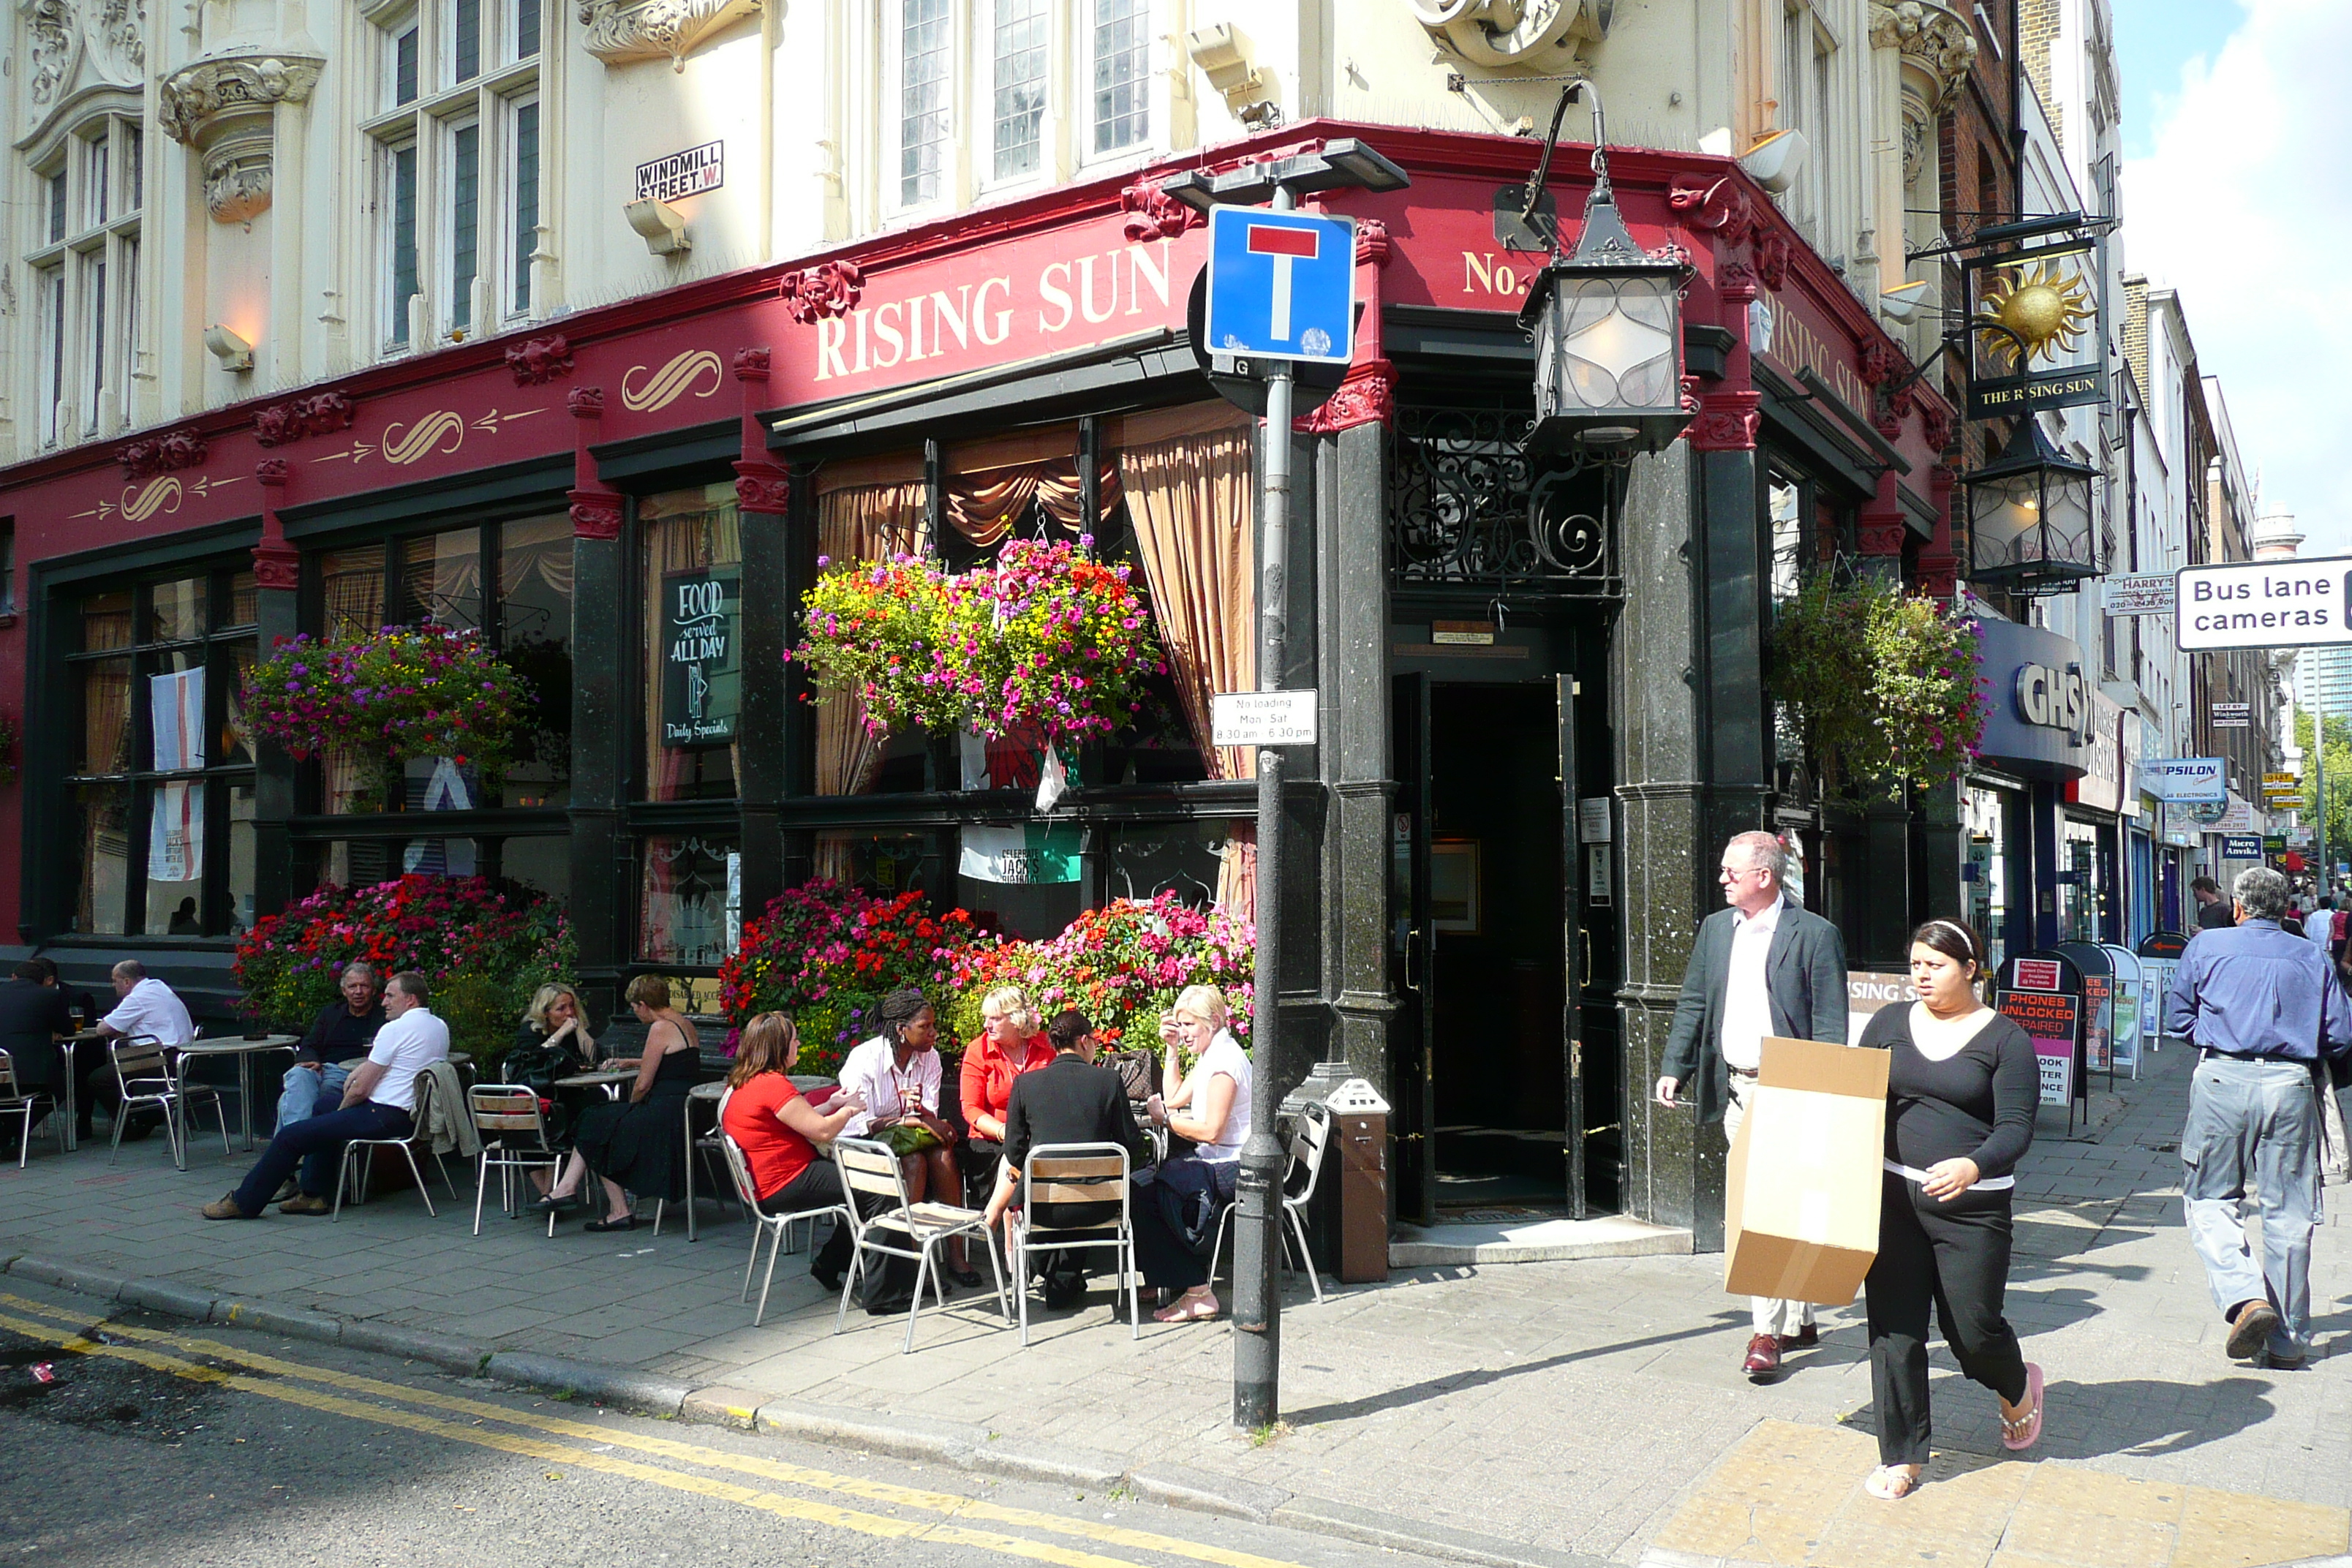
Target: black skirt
[{"x": 639, "y": 1147}]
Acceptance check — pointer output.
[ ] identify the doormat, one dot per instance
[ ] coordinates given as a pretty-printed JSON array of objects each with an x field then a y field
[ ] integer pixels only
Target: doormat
[{"x": 1508, "y": 1216}]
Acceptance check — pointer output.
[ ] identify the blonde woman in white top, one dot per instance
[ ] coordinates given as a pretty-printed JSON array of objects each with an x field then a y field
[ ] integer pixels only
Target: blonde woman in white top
[{"x": 1210, "y": 1107}]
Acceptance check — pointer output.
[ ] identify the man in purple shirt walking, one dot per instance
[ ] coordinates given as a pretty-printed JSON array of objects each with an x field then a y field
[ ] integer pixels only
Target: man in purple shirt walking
[{"x": 2263, "y": 1008}]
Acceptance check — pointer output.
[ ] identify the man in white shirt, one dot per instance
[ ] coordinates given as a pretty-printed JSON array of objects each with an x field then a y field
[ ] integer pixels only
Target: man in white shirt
[
  {"x": 1765, "y": 967},
  {"x": 146, "y": 1007},
  {"x": 378, "y": 1101}
]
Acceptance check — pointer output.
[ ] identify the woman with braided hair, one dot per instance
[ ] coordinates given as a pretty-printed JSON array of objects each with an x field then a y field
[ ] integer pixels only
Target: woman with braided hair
[{"x": 897, "y": 1072}]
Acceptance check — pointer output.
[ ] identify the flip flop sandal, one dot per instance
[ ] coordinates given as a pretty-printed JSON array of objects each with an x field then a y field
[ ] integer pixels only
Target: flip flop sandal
[
  {"x": 2024, "y": 1431},
  {"x": 1891, "y": 1483}
]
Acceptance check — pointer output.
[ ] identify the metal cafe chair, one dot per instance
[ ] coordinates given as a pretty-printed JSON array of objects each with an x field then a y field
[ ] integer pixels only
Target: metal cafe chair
[
  {"x": 1075, "y": 1173},
  {"x": 514, "y": 1140},
  {"x": 1309, "y": 1139},
  {"x": 146, "y": 1074},
  {"x": 902, "y": 1228},
  {"x": 18, "y": 1101},
  {"x": 772, "y": 1228},
  {"x": 360, "y": 1149}
]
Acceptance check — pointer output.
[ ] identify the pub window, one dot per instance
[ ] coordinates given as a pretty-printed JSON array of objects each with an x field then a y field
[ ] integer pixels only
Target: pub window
[
  {"x": 160, "y": 782},
  {"x": 85, "y": 276},
  {"x": 457, "y": 167},
  {"x": 692, "y": 670},
  {"x": 511, "y": 580},
  {"x": 690, "y": 910},
  {"x": 1119, "y": 40},
  {"x": 7, "y": 568},
  {"x": 924, "y": 47},
  {"x": 1019, "y": 46}
]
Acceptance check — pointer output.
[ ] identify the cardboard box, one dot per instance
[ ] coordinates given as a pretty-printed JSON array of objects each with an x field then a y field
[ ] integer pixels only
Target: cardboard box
[{"x": 1800, "y": 1196}]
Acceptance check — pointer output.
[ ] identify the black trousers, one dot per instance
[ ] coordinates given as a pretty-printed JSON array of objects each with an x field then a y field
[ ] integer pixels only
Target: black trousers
[
  {"x": 1954, "y": 1256},
  {"x": 885, "y": 1278}
]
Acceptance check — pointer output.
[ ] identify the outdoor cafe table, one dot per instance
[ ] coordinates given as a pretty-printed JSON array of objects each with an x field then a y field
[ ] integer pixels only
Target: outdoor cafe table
[
  {"x": 609, "y": 1080},
  {"x": 243, "y": 1051},
  {"x": 68, "y": 1046},
  {"x": 711, "y": 1094}
]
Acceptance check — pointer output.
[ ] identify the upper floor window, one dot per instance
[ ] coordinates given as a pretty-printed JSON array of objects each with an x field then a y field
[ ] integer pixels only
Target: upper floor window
[
  {"x": 85, "y": 279},
  {"x": 457, "y": 174},
  {"x": 1033, "y": 88}
]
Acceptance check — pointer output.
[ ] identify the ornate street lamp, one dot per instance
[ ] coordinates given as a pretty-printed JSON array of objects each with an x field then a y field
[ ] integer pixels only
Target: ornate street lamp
[
  {"x": 2030, "y": 518},
  {"x": 1606, "y": 320}
]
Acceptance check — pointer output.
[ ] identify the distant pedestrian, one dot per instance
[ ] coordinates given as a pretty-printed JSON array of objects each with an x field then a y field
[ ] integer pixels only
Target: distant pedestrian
[
  {"x": 2213, "y": 909},
  {"x": 2319, "y": 927},
  {"x": 2262, "y": 1009},
  {"x": 1765, "y": 967},
  {"x": 1961, "y": 1090}
]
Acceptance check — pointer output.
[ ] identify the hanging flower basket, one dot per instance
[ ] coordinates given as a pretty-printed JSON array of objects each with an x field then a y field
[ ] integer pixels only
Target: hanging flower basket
[
  {"x": 404, "y": 692},
  {"x": 1046, "y": 642},
  {"x": 1886, "y": 682}
]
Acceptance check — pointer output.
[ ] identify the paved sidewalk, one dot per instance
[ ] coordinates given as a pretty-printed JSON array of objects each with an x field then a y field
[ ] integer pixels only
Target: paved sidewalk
[{"x": 1576, "y": 1407}]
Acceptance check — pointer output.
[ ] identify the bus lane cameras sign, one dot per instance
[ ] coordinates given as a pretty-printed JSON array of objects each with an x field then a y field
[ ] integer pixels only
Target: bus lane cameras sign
[{"x": 2265, "y": 604}]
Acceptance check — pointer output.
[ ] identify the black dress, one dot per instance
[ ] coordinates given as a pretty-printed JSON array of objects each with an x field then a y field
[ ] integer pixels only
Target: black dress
[{"x": 642, "y": 1147}]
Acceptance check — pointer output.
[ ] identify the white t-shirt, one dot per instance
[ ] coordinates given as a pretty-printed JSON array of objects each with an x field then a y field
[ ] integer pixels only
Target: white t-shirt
[
  {"x": 150, "y": 1009},
  {"x": 405, "y": 1048},
  {"x": 873, "y": 1070},
  {"x": 1224, "y": 1055}
]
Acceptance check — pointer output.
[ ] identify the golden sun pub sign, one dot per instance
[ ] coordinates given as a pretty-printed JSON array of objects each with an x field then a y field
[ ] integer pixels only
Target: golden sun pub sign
[{"x": 2035, "y": 329}]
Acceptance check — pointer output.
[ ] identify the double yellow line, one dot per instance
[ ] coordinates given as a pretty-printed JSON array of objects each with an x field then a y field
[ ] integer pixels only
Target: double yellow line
[{"x": 329, "y": 1391}]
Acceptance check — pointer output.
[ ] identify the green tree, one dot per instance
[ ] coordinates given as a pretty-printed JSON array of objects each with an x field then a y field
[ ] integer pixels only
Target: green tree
[{"x": 2339, "y": 779}]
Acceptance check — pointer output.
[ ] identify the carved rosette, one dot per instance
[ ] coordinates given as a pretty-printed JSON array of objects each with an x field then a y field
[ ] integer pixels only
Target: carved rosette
[
  {"x": 1153, "y": 214},
  {"x": 763, "y": 486},
  {"x": 538, "y": 361},
  {"x": 620, "y": 32},
  {"x": 321, "y": 414},
  {"x": 163, "y": 454},
  {"x": 829, "y": 288},
  {"x": 1534, "y": 35},
  {"x": 1727, "y": 422},
  {"x": 225, "y": 109}
]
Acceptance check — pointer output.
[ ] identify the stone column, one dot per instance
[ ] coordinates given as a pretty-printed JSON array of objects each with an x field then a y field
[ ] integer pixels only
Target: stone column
[
  {"x": 603, "y": 673},
  {"x": 1352, "y": 617},
  {"x": 762, "y": 499},
  {"x": 277, "y": 576}
]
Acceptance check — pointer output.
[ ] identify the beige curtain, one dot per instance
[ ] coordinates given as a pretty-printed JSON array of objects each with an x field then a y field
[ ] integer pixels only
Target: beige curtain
[
  {"x": 861, "y": 521},
  {"x": 1237, "y": 872},
  {"x": 1187, "y": 474}
]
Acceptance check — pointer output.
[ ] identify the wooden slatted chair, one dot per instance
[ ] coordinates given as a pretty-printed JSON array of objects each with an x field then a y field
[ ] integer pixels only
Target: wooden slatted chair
[
  {"x": 514, "y": 1140},
  {"x": 1075, "y": 1173},
  {"x": 902, "y": 1228}
]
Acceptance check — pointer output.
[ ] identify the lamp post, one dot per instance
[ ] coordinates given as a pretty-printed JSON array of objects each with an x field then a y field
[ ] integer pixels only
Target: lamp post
[
  {"x": 2030, "y": 517},
  {"x": 1606, "y": 320},
  {"x": 1343, "y": 164}
]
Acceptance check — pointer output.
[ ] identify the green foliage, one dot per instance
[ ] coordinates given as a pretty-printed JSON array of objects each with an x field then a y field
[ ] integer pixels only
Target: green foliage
[
  {"x": 1886, "y": 683},
  {"x": 2337, "y": 762}
]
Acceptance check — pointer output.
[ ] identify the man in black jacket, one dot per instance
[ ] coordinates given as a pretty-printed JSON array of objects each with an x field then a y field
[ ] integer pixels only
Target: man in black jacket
[
  {"x": 32, "y": 1015},
  {"x": 1067, "y": 1101},
  {"x": 339, "y": 1038},
  {"x": 1765, "y": 967}
]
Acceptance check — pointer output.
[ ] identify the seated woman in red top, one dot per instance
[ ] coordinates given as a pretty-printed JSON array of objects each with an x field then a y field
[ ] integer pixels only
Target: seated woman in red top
[
  {"x": 778, "y": 1131},
  {"x": 1012, "y": 1042}
]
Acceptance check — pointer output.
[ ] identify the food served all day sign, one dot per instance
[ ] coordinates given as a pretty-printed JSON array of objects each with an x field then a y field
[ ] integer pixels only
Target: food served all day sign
[{"x": 702, "y": 676}]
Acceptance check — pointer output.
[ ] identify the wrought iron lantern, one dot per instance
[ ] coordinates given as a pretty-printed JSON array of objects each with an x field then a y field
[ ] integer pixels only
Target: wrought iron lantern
[
  {"x": 1606, "y": 325},
  {"x": 2030, "y": 518}
]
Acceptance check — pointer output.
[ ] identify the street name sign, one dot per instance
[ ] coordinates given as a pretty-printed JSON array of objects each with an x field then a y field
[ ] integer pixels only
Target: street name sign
[
  {"x": 2138, "y": 594},
  {"x": 2264, "y": 603},
  {"x": 1282, "y": 285},
  {"x": 2185, "y": 780},
  {"x": 1261, "y": 718}
]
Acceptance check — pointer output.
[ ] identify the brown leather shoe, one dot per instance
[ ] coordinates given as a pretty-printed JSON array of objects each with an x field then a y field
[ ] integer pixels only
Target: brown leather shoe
[
  {"x": 306, "y": 1203},
  {"x": 226, "y": 1209},
  {"x": 2250, "y": 1330},
  {"x": 1763, "y": 1356},
  {"x": 1804, "y": 1338}
]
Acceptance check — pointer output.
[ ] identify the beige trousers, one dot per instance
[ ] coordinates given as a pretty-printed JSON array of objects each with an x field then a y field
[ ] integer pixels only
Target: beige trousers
[{"x": 1771, "y": 1315}]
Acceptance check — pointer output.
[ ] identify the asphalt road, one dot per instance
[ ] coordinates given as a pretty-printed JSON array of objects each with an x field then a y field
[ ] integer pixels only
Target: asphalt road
[{"x": 131, "y": 1438}]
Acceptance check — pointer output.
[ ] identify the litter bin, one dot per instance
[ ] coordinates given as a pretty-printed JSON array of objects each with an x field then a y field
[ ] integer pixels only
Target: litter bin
[{"x": 1360, "y": 1138}]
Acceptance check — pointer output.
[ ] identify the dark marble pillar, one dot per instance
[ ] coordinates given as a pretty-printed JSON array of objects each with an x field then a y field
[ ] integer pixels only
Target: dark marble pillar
[
  {"x": 602, "y": 677},
  {"x": 763, "y": 502},
  {"x": 277, "y": 574}
]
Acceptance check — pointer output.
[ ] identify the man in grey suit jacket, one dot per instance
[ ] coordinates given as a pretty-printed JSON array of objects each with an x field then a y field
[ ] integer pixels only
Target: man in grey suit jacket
[{"x": 1763, "y": 967}]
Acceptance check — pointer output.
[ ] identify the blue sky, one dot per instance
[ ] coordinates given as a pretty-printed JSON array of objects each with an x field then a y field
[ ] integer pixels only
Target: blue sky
[{"x": 2154, "y": 38}]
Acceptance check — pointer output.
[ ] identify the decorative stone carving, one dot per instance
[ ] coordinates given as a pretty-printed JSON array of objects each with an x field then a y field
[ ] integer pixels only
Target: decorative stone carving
[
  {"x": 1727, "y": 422},
  {"x": 224, "y": 108},
  {"x": 763, "y": 486},
  {"x": 163, "y": 454},
  {"x": 585, "y": 402},
  {"x": 829, "y": 288},
  {"x": 1772, "y": 253},
  {"x": 752, "y": 364},
  {"x": 1153, "y": 214},
  {"x": 539, "y": 361},
  {"x": 1373, "y": 245},
  {"x": 1368, "y": 397},
  {"x": 1936, "y": 423},
  {"x": 1880, "y": 536},
  {"x": 619, "y": 32},
  {"x": 321, "y": 414},
  {"x": 1718, "y": 208},
  {"x": 72, "y": 44},
  {"x": 595, "y": 514},
  {"x": 1936, "y": 44},
  {"x": 1531, "y": 36}
]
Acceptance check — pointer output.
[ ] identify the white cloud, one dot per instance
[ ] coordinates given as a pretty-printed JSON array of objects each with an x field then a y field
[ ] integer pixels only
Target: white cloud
[{"x": 2245, "y": 206}]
